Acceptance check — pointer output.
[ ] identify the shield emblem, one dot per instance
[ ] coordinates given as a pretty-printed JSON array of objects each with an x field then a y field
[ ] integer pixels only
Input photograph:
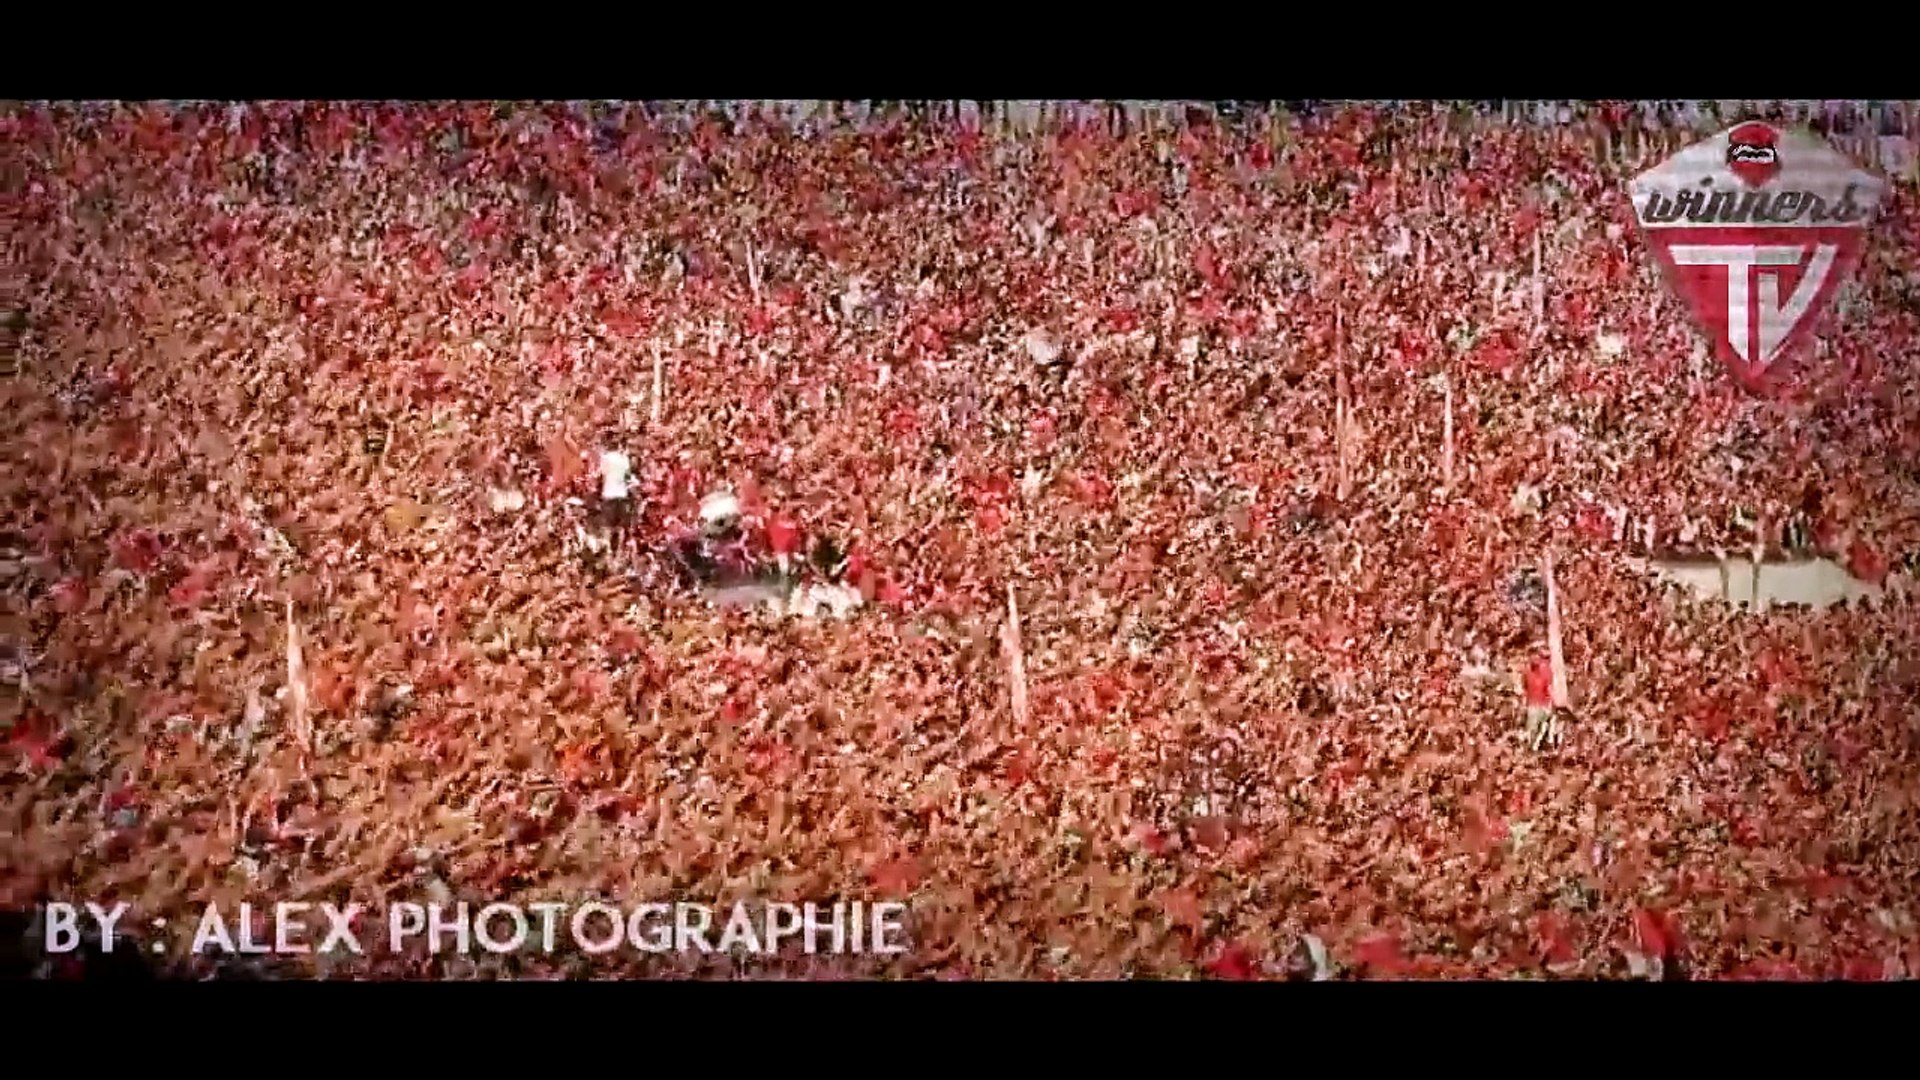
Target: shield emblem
[{"x": 1756, "y": 229}]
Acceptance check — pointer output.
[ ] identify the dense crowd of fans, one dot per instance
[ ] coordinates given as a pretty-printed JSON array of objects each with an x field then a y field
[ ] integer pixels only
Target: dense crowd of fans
[{"x": 347, "y": 373}]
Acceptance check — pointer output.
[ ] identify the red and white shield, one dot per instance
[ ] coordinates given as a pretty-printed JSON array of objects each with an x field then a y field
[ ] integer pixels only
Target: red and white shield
[{"x": 1757, "y": 228}]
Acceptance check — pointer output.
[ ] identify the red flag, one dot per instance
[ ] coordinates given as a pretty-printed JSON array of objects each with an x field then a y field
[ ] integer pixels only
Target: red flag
[
  {"x": 1539, "y": 683},
  {"x": 1866, "y": 564},
  {"x": 1496, "y": 351},
  {"x": 783, "y": 535}
]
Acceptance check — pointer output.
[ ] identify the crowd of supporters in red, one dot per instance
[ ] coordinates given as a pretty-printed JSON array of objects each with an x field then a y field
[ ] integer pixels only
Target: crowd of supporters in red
[{"x": 347, "y": 371}]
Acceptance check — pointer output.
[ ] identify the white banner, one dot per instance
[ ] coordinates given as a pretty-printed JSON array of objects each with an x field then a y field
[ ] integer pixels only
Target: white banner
[{"x": 1738, "y": 579}]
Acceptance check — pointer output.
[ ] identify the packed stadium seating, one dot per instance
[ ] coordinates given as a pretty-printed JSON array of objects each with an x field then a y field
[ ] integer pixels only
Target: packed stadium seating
[{"x": 339, "y": 376}]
